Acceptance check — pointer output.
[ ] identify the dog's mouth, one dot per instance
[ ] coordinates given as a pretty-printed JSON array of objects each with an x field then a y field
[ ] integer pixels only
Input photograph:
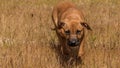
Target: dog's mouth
[{"x": 73, "y": 43}]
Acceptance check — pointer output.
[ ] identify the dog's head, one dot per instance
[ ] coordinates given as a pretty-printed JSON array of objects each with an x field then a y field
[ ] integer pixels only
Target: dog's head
[{"x": 73, "y": 31}]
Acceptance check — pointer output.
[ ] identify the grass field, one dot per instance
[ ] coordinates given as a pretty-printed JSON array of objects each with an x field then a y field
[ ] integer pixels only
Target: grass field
[{"x": 26, "y": 40}]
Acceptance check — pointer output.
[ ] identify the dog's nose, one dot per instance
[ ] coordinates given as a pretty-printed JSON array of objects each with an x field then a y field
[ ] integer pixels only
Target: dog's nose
[{"x": 72, "y": 42}]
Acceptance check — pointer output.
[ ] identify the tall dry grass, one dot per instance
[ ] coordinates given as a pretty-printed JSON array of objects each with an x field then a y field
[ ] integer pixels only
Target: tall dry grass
[{"x": 26, "y": 40}]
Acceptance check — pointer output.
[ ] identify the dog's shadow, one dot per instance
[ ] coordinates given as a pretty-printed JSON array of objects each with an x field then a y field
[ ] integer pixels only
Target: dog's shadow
[{"x": 65, "y": 60}]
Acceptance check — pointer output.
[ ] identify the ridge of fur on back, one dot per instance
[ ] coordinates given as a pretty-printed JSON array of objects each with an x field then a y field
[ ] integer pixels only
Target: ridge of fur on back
[{"x": 61, "y": 8}]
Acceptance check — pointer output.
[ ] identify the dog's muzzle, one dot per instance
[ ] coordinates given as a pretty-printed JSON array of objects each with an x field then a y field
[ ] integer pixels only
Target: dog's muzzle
[{"x": 73, "y": 42}]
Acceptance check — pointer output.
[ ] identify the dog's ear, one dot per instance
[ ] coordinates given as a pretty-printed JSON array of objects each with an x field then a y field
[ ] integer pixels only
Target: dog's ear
[
  {"x": 60, "y": 25},
  {"x": 84, "y": 24}
]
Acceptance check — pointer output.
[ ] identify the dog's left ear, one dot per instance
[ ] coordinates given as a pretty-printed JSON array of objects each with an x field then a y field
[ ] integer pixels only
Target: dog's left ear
[{"x": 84, "y": 24}]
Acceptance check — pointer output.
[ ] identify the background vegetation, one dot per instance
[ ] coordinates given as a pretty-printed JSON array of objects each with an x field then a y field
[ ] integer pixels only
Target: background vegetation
[{"x": 26, "y": 40}]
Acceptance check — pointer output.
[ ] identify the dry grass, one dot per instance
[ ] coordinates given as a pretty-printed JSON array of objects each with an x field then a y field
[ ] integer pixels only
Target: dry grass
[{"x": 26, "y": 40}]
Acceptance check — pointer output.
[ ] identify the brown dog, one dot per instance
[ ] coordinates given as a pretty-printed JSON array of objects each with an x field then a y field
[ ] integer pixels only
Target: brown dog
[{"x": 69, "y": 25}]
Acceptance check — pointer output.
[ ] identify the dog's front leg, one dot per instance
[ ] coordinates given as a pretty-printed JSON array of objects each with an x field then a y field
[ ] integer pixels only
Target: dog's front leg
[
  {"x": 64, "y": 48},
  {"x": 81, "y": 49}
]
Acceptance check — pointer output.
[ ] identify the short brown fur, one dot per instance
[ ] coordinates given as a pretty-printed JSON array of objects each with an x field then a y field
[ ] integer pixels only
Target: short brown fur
[{"x": 66, "y": 16}]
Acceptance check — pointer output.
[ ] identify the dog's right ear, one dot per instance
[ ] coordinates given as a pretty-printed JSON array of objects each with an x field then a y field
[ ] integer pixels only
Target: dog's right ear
[{"x": 60, "y": 25}]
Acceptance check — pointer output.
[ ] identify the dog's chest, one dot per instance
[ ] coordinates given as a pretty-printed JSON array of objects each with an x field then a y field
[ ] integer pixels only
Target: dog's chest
[{"x": 74, "y": 51}]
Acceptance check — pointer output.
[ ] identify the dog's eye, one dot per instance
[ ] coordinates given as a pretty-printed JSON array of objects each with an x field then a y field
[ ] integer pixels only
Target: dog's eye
[
  {"x": 78, "y": 31},
  {"x": 67, "y": 32}
]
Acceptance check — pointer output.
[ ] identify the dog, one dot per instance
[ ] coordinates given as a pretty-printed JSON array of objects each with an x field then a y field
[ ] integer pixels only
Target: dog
[{"x": 70, "y": 27}]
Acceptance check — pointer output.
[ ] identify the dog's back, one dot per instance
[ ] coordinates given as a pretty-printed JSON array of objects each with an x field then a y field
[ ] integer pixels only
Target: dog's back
[{"x": 61, "y": 8}]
